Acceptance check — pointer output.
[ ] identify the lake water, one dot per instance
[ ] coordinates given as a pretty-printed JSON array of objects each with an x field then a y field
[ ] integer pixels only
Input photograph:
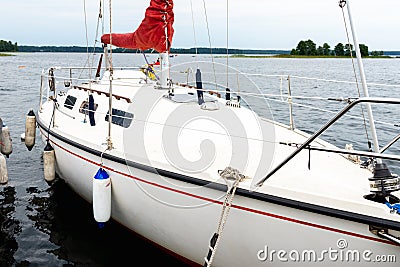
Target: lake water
[{"x": 49, "y": 225}]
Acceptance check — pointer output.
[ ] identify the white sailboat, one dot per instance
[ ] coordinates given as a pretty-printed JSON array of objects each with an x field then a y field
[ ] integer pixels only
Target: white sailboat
[{"x": 181, "y": 163}]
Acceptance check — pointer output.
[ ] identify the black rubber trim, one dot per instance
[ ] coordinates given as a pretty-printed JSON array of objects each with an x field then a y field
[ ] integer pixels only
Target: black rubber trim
[{"x": 341, "y": 214}]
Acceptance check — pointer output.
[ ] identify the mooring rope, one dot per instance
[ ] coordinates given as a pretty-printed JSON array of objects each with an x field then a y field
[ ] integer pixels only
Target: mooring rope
[{"x": 232, "y": 178}]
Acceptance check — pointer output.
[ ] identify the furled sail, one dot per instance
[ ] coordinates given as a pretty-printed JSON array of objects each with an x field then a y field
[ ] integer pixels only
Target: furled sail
[{"x": 155, "y": 31}]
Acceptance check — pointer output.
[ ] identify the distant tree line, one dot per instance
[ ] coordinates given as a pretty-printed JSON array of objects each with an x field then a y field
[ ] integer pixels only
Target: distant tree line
[
  {"x": 304, "y": 48},
  {"x": 8, "y": 46},
  {"x": 222, "y": 51},
  {"x": 199, "y": 50},
  {"x": 309, "y": 48},
  {"x": 207, "y": 50},
  {"x": 75, "y": 49}
]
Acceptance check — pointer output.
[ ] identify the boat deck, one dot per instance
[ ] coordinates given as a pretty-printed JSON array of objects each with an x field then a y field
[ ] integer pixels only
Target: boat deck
[{"x": 172, "y": 132}]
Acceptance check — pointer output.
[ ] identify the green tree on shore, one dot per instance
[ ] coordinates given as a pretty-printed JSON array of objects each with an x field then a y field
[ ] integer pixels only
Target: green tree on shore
[
  {"x": 326, "y": 49},
  {"x": 308, "y": 48},
  {"x": 348, "y": 49},
  {"x": 339, "y": 50},
  {"x": 364, "y": 50},
  {"x": 7, "y": 46},
  {"x": 305, "y": 48}
]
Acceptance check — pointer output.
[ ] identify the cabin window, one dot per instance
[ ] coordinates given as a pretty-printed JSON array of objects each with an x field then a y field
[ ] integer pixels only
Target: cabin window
[
  {"x": 121, "y": 118},
  {"x": 70, "y": 101},
  {"x": 84, "y": 108}
]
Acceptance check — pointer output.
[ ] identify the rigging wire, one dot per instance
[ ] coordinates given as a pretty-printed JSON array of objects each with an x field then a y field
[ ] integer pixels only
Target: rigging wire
[
  {"x": 209, "y": 40},
  {"x": 102, "y": 16},
  {"x": 109, "y": 141},
  {"x": 110, "y": 59},
  {"x": 227, "y": 43},
  {"x": 194, "y": 34},
  {"x": 99, "y": 21},
  {"x": 90, "y": 56},
  {"x": 87, "y": 39},
  {"x": 237, "y": 136},
  {"x": 342, "y": 3},
  {"x": 255, "y": 95}
]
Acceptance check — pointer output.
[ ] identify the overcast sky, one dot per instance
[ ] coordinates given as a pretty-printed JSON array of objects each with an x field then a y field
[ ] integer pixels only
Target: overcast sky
[{"x": 257, "y": 24}]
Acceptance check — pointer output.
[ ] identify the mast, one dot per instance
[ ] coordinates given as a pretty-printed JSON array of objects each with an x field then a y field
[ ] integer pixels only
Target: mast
[
  {"x": 164, "y": 59},
  {"x": 164, "y": 70},
  {"x": 364, "y": 84},
  {"x": 111, "y": 70}
]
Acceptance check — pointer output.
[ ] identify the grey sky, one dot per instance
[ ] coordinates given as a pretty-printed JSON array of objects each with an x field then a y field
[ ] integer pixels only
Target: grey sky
[{"x": 259, "y": 24}]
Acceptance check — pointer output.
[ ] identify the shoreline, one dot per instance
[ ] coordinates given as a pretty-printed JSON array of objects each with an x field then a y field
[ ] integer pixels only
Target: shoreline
[
  {"x": 5, "y": 55},
  {"x": 242, "y": 55},
  {"x": 298, "y": 56}
]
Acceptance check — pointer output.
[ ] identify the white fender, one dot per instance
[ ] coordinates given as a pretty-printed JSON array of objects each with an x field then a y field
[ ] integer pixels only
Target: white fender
[
  {"x": 3, "y": 170},
  {"x": 6, "y": 141},
  {"x": 30, "y": 130},
  {"x": 49, "y": 163},
  {"x": 101, "y": 197}
]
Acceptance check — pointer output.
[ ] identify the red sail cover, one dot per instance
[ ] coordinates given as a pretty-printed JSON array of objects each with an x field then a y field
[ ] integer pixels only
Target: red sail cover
[{"x": 151, "y": 32}]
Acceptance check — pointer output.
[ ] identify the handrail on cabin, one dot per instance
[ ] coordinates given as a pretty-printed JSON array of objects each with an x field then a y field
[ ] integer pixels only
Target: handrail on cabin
[
  {"x": 375, "y": 100},
  {"x": 70, "y": 78},
  {"x": 118, "y": 97}
]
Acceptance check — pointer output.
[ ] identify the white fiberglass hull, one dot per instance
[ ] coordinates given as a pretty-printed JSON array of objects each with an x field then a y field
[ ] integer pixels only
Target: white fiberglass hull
[
  {"x": 164, "y": 163},
  {"x": 182, "y": 217}
]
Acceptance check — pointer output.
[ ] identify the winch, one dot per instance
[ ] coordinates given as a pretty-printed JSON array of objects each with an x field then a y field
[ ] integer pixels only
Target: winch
[{"x": 383, "y": 182}]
